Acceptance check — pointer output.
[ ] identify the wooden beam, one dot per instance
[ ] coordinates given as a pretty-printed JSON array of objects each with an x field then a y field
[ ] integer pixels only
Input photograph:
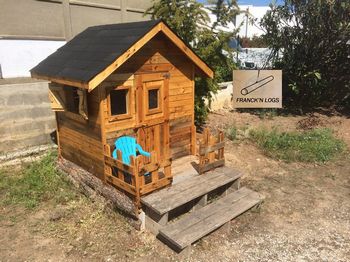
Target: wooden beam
[
  {"x": 131, "y": 51},
  {"x": 211, "y": 148},
  {"x": 211, "y": 165},
  {"x": 61, "y": 81},
  {"x": 139, "y": 44},
  {"x": 119, "y": 164},
  {"x": 123, "y": 58},
  {"x": 156, "y": 185},
  {"x": 121, "y": 184},
  {"x": 184, "y": 48}
]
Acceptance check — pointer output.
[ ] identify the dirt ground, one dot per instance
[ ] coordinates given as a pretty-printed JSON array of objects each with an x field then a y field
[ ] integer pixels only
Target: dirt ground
[{"x": 305, "y": 216}]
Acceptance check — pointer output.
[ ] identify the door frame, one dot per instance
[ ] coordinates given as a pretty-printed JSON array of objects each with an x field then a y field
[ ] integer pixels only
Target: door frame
[{"x": 160, "y": 118}]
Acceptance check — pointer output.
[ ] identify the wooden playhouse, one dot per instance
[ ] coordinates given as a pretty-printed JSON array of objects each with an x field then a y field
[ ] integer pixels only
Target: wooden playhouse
[{"x": 137, "y": 80}]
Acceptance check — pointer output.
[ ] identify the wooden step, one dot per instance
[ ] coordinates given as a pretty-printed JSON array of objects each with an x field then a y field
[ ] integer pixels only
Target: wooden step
[
  {"x": 194, "y": 187},
  {"x": 193, "y": 226}
]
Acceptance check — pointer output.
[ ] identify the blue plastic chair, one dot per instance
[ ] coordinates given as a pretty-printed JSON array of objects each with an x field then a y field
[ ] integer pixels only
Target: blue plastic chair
[{"x": 128, "y": 146}]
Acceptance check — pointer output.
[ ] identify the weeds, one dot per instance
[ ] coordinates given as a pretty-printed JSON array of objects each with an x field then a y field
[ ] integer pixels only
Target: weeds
[
  {"x": 318, "y": 145},
  {"x": 267, "y": 113},
  {"x": 235, "y": 133},
  {"x": 39, "y": 181},
  {"x": 231, "y": 133}
]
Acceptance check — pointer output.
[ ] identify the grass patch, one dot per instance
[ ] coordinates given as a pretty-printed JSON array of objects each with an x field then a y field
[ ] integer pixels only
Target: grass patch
[
  {"x": 231, "y": 133},
  {"x": 40, "y": 181},
  {"x": 318, "y": 145}
]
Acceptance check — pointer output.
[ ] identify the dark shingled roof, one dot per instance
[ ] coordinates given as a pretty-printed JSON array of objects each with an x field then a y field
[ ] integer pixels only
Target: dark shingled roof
[{"x": 91, "y": 51}]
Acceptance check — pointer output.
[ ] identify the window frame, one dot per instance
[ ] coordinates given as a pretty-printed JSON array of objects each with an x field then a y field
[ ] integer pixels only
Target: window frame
[
  {"x": 128, "y": 103},
  {"x": 153, "y": 86},
  {"x": 70, "y": 96}
]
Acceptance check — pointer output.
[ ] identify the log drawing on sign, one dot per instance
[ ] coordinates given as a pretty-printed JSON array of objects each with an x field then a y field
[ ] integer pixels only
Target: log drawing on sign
[{"x": 258, "y": 84}]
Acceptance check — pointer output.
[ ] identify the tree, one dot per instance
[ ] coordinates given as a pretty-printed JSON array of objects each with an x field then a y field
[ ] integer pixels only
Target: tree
[
  {"x": 308, "y": 41},
  {"x": 191, "y": 22}
]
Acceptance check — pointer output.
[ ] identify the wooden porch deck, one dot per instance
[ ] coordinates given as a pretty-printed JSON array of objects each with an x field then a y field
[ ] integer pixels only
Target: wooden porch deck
[{"x": 183, "y": 168}]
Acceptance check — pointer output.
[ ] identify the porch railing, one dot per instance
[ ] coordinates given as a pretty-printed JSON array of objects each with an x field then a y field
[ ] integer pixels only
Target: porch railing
[
  {"x": 141, "y": 177},
  {"x": 211, "y": 151}
]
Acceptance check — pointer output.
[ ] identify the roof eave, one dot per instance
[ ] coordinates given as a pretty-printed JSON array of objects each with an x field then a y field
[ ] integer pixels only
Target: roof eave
[
  {"x": 61, "y": 81},
  {"x": 160, "y": 27},
  {"x": 203, "y": 68}
]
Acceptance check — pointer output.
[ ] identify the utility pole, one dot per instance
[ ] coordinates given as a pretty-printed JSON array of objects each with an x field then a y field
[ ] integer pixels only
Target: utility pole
[{"x": 246, "y": 23}]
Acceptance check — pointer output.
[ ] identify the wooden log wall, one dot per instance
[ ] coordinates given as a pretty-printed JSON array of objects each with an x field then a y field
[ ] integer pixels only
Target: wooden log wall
[
  {"x": 161, "y": 55},
  {"x": 80, "y": 140}
]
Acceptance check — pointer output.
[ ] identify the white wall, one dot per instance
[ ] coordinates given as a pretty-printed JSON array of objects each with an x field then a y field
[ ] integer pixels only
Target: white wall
[
  {"x": 256, "y": 12},
  {"x": 253, "y": 29},
  {"x": 17, "y": 57},
  {"x": 258, "y": 56}
]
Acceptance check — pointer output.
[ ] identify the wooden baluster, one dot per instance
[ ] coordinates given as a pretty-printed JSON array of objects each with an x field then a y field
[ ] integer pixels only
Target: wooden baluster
[
  {"x": 212, "y": 141},
  {"x": 203, "y": 159},
  {"x": 167, "y": 169},
  {"x": 149, "y": 141},
  {"x": 120, "y": 158},
  {"x": 221, "y": 151},
  {"x": 156, "y": 141},
  {"x": 136, "y": 182},
  {"x": 107, "y": 168},
  {"x": 193, "y": 140},
  {"x": 154, "y": 174},
  {"x": 140, "y": 161}
]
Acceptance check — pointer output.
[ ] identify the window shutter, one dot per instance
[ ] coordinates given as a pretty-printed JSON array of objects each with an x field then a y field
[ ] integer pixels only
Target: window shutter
[
  {"x": 83, "y": 108},
  {"x": 56, "y": 96}
]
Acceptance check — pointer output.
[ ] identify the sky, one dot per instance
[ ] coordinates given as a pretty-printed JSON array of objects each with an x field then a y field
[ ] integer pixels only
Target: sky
[{"x": 254, "y": 2}]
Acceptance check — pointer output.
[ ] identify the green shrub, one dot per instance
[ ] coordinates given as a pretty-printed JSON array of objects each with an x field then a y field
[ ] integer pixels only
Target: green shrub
[
  {"x": 39, "y": 181},
  {"x": 318, "y": 145},
  {"x": 308, "y": 41},
  {"x": 231, "y": 133}
]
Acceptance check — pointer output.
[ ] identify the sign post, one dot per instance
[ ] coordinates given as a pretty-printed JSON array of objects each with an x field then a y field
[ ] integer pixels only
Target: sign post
[{"x": 257, "y": 89}]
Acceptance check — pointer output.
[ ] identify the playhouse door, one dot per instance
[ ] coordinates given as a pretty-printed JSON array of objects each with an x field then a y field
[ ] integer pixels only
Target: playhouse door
[{"x": 153, "y": 116}]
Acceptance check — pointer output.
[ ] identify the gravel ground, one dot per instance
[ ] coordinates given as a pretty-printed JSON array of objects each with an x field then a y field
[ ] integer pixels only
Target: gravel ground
[{"x": 305, "y": 216}]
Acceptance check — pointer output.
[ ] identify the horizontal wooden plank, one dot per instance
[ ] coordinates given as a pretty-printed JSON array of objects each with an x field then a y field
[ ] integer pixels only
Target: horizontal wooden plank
[
  {"x": 180, "y": 97},
  {"x": 180, "y": 122},
  {"x": 88, "y": 128},
  {"x": 112, "y": 135},
  {"x": 94, "y": 152},
  {"x": 174, "y": 109},
  {"x": 180, "y": 129},
  {"x": 148, "y": 168},
  {"x": 175, "y": 115},
  {"x": 147, "y": 188},
  {"x": 178, "y": 149},
  {"x": 120, "y": 125},
  {"x": 181, "y": 154},
  {"x": 119, "y": 164},
  {"x": 203, "y": 150},
  {"x": 183, "y": 102},
  {"x": 83, "y": 159},
  {"x": 212, "y": 165},
  {"x": 180, "y": 83},
  {"x": 121, "y": 77},
  {"x": 193, "y": 226},
  {"x": 180, "y": 91},
  {"x": 181, "y": 140},
  {"x": 121, "y": 184},
  {"x": 80, "y": 140},
  {"x": 176, "y": 86}
]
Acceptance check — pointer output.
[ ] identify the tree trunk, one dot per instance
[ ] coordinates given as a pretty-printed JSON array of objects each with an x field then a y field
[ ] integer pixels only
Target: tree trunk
[{"x": 94, "y": 188}]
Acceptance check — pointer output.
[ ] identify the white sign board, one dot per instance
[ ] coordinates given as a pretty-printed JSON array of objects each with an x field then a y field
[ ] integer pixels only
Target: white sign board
[{"x": 257, "y": 88}]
